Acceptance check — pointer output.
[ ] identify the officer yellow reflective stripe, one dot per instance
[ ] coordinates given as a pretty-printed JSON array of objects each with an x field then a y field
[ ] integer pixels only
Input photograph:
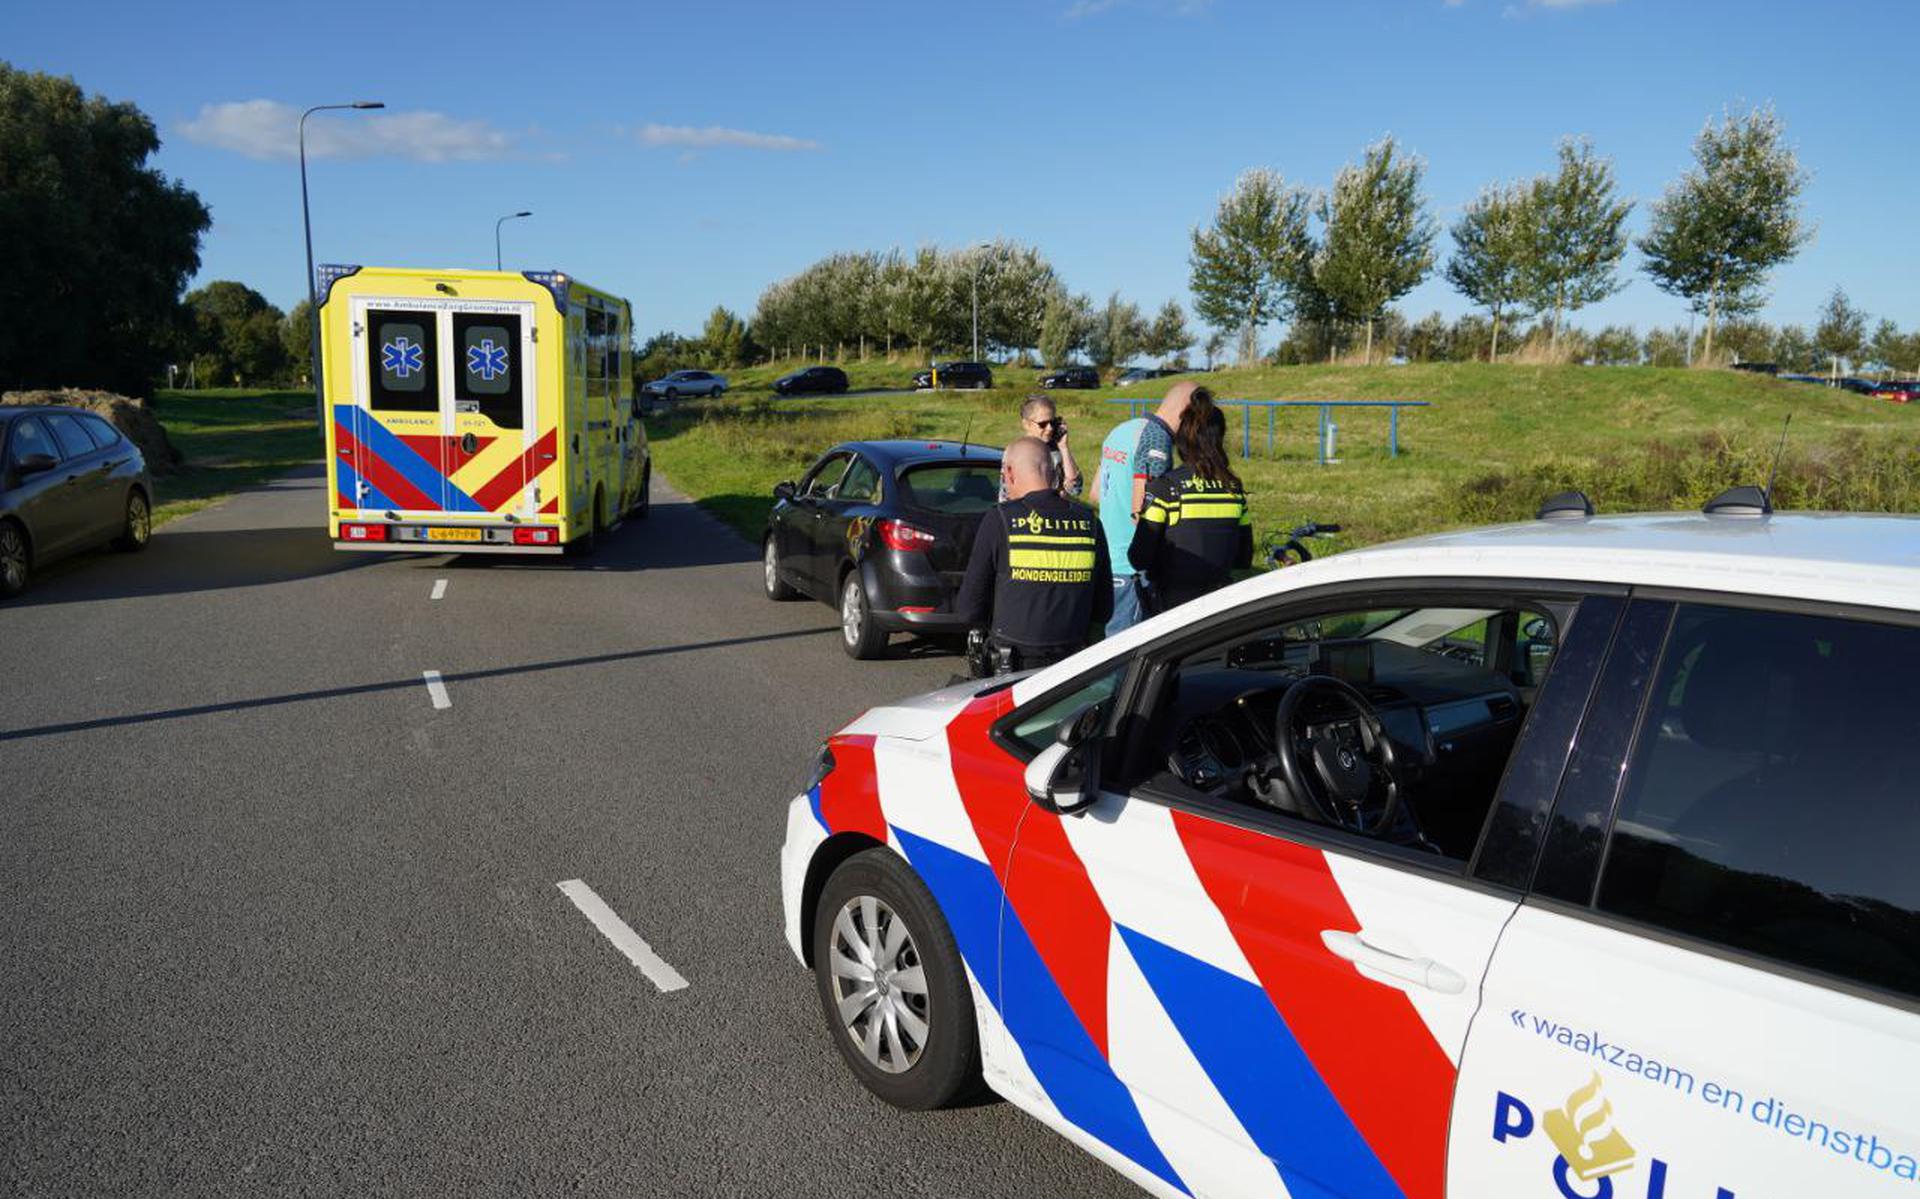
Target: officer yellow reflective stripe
[{"x": 1160, "y": 512}]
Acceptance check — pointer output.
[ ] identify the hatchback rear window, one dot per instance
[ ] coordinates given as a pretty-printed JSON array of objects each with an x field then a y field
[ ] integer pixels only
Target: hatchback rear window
[{"x": 962, "y": 489}]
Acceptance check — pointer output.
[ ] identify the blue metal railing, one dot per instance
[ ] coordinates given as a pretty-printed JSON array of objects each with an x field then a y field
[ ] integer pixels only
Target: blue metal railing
[{"x": 1139, "y": 406}]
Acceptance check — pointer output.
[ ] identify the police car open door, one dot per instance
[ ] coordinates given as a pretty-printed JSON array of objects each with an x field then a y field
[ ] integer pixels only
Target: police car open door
[
  {"x": 444, "y": 411},
  {"x": 1234, "y": 999}
]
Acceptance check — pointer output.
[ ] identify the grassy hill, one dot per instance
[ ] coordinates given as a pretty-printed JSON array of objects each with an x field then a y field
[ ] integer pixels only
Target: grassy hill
[{"x": 1496, "y": 440}]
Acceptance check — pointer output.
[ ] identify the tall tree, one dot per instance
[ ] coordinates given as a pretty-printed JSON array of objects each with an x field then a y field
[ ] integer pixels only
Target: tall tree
[
  {"x": 236, "y": 335},
  {"x": 1725, "y": 224},
  {"x": 1168, "y": 336},
  {"x": 97, "y": 245},
  {"x": 296, "y": 339},
  {"x": 1579, "y": 235},
  {"x": 1895, "y": 351},
  {"x": 724, "y": 339},
  {"x": 1246, "y": 262},
  {"x": 1379, "y": 238},
  {"x": 1119, "y": 332},
  {"x": 1841, "y": 333},
  {"x": 1064, "y": 328},
  {"x": 1492, "y": 246}
]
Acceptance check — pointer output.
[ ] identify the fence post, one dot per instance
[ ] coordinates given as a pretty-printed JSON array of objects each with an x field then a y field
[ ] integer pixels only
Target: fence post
[
  {"x": 1270, "y": 411},
  {"x": 1393, "y": 431},
  {"x": 1320, "y": 450},
  {"x": 1246, "y": 429}
]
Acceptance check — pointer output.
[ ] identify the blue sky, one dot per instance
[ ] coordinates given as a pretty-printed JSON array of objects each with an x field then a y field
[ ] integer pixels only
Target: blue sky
[{"x": 688, "y": 154}]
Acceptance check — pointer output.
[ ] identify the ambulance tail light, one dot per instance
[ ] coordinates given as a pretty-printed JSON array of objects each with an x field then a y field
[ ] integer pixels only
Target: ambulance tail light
[
  {"x": 536, "y": 535},
  {"x": 359, "y": 532},
  {"x": 899, "y": 535}
]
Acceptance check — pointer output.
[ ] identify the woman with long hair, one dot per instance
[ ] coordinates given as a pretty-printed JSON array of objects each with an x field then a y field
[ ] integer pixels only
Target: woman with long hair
[{"x": 1196, "y": 528}]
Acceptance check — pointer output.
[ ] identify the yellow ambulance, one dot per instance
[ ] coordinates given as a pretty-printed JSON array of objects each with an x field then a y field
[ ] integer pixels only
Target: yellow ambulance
[{"x": 477, "y": 411}]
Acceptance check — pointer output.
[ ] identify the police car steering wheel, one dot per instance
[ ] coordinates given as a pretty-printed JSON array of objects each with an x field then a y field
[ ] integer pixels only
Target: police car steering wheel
[{"x": 1347, "y": 775}]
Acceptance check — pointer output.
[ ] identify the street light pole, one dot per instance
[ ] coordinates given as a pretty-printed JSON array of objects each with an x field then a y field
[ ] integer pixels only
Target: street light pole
[
  {"x": 306, "y": 220},
  {"x": 496, "y": 234}
]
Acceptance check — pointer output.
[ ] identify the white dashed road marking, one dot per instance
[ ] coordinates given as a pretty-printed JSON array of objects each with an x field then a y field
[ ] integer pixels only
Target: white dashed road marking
[
  {"x": 437, "y": 690},
  {"x": 628, "y": 942},
  {"x": 439, "y": 589}
]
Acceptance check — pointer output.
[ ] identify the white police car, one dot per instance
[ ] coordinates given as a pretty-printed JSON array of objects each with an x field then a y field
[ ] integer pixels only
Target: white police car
[{"x": 1572, "y": 858}]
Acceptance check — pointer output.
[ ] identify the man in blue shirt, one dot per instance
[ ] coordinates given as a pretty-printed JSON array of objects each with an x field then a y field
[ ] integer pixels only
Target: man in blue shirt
[{"x": 1136, "y": 451}]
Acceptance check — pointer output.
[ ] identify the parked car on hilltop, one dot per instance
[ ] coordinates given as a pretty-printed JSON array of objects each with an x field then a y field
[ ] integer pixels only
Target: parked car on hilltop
[
  {"x": 1900, "y": 391},
  {"x": 812, "y": 380},
  {"x": 975, "y": 375},
  {"x": 686, "y": 383},
  {"x": 1082, "y": 377},
  {"x": 882, "y": 530},
  {"x": 69, "y": 481}
]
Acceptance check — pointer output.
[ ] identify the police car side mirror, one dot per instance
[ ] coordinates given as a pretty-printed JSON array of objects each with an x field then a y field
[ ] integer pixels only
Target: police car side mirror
[{"x": 1065, "y": 776}]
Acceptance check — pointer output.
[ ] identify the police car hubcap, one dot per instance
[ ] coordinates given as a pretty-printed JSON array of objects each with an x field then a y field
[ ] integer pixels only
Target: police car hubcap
[
  {"x": 850, "y": 613},
  {"x": 879, "y": 986}
]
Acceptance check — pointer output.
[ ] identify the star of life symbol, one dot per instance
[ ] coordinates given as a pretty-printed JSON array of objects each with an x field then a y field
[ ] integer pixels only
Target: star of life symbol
[
  {"x": 401, "y": 357},
  {"x": 487, "y": 360}
]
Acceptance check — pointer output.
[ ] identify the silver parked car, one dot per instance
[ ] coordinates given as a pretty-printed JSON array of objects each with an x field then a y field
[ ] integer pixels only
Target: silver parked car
[
  {"x": 69, "y": 481},
  {"x": 686, "y": 383}
]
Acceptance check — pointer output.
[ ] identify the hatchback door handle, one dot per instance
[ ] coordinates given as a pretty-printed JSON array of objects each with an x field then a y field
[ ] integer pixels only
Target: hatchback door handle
[{"x": 1384, "y": 965}]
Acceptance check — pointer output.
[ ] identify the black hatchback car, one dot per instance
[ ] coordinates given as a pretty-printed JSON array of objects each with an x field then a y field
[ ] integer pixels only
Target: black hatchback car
[
  {"x": 69, "y": 481},
  {"x": 812, "y": 380},
  {"x": 881, "y": 530},
  {"x": 955, "y": 374},
  {"x": 1082, "y": 377}
]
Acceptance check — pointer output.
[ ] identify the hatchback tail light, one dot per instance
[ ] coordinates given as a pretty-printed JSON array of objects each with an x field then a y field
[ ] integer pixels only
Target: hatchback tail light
[
  {"x": 899, "y": 535},
  {"x": 536, "y": 535},
  {"x": 363, "y": 532}
]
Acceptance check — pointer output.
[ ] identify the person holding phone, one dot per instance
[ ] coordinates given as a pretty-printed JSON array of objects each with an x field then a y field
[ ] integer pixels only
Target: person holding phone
[{"x": 1040, "y": 419}]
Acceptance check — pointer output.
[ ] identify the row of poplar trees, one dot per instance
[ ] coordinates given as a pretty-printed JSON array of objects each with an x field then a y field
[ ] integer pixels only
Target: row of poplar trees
[{"x": 1332, "y": 260}]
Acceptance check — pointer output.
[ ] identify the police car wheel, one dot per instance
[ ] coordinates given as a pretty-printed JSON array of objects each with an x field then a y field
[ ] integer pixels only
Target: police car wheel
[
  {"x": 135, "y": 534},
  {"x": 777, "y": 588},
  {"x": 858, "y": 635},
  {"x": 892, "y": 986}
]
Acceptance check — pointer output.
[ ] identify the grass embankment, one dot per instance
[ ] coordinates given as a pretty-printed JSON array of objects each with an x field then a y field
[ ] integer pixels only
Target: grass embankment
[
  {"x": 231, "y": 438},
  {"x": 1497, "y": 439}
]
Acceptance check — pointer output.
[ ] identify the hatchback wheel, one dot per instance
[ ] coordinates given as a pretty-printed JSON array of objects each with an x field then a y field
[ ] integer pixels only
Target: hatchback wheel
[
  {"x": 15, "y": 560},
  {"x": 777, "y": 588},
  {"x": 858, "y": 635},
  {"x": 892, "y": 985},
  {"x": 139, "y": 527}
]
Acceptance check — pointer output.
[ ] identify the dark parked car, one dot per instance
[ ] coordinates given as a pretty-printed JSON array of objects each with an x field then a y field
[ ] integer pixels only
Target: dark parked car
[
  {"x": 1071, "y": 376},
  {"x": 955, "y": 374},
  {"x": 812, "y": 380},
  {"x": 1856, "y": 386},
  {"x": 69, "y": 481},
  {"x": 881, "y": 530},
  {"x": 1900, "y": 391},
  {"x": 1758, "y": 368}
]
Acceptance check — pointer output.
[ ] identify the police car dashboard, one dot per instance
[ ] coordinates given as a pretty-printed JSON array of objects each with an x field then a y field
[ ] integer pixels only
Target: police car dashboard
[{"x": 1381, "y": 734}]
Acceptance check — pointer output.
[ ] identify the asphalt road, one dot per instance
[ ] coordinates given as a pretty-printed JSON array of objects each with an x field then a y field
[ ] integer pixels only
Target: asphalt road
[{"x": 271, "y": 922}]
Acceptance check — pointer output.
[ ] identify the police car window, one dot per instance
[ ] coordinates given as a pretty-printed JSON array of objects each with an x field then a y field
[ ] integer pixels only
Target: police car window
[
  {"x": 487, "y": 366},
  {"x": 1036, "y": 730},
  {"x": 403, "y": 361},
  {"x": 73, "y": 440},
  {"x": 962, "y": 489},
  {"x": 30, "y": 438},
  {"x": 1769, "y": 805},
  {"x": 1440, "y": 680},
  {"x": 821, "y": 481},
  {"x": 862, "y": 483}
]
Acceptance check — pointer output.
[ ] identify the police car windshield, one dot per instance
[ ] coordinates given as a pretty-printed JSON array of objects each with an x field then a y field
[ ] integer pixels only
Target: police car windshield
[{"x": 959, "y": 489}]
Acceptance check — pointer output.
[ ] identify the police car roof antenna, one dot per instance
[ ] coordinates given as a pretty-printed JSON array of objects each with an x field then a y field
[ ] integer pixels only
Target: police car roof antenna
[{"x": 1778, "y": 453}]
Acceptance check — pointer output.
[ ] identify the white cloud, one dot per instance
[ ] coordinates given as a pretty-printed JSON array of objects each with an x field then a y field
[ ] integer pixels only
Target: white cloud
[
  {"x": 268, "y": 129},
  {"x": 708, "y": 137}
]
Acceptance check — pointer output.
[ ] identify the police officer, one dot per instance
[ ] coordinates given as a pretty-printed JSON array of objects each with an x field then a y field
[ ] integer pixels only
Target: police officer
[
  {"x": 1039, "y": 580},
  {"x": 1195, "y": 530}
]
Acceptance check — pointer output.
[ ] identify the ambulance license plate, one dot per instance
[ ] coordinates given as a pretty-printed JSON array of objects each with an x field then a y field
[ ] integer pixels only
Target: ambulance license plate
[{"x": 454, "y": 535}]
